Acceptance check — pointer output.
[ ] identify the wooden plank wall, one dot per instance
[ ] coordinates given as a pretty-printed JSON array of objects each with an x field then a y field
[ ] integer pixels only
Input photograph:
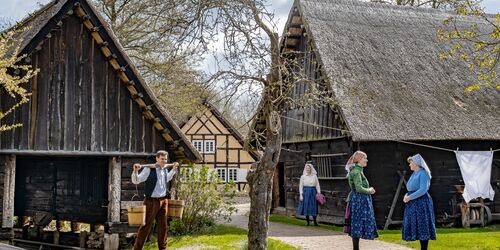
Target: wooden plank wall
[
  {"x": 74, "y": 189},
  {"x": 293, "y": 131},
  {"x": 78, "y": 103},
  {"x": 385, "y": 158},
  {"x": 335, "y": 190},
  {"x": 2, "y": 176}
]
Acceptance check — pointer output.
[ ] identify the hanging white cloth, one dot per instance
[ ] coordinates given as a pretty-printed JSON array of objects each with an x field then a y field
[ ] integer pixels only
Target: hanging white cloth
[{"x": 475, "y": 167}]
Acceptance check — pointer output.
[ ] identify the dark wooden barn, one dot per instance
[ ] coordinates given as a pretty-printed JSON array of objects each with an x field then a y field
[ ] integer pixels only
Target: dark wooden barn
[
  {"x": 391, "y": 90},
  {"x": 91, "y": 116}
]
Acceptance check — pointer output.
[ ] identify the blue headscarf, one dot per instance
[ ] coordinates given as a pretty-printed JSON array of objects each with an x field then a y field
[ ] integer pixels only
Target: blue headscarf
[{"x": 419, "y": 160}]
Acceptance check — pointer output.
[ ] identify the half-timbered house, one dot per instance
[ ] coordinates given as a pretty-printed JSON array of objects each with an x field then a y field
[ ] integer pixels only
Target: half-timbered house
[
  {"x": 394, "y": 98},
  {"x": 90, "y": 116},
  {"x": 220, "y": 144}
]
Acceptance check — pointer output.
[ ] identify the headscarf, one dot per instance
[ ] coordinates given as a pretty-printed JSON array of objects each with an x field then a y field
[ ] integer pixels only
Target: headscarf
[
  {"x": 355, "y": 158},
  {"x": 419, "y": 160},
  {"x": 313, "y": 171}
]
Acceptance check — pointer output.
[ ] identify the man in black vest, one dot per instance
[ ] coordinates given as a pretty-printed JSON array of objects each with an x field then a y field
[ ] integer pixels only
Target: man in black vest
[{"x": 155, "y": 190}]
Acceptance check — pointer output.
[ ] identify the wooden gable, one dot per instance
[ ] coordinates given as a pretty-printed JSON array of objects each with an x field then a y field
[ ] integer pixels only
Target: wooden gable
[
  {"x": 88, "y": 97},
  {"x": 211, "y": 125}
]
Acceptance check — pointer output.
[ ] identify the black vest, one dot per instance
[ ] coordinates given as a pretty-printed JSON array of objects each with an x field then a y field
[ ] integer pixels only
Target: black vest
[{"x": 150, "y": 183}]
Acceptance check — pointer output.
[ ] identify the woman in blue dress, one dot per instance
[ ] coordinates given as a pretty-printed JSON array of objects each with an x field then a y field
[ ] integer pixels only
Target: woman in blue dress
[
  {"x": 418, "y": 220},
  {"x": 361, "y": 217},
  {"x": 308, "y": 188}
]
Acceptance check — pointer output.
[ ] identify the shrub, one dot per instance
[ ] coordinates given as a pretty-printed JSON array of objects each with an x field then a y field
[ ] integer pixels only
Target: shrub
[{"x": 202, "y": 192}]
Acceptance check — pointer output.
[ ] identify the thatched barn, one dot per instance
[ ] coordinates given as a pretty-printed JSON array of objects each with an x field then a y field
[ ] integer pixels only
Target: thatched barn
[
  {"x": 391, "y": 92},
  {"x": 90, "y": 116}
]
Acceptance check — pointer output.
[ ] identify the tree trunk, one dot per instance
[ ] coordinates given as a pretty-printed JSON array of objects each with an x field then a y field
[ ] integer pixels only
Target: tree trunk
[{"x": 260, "y": 180}]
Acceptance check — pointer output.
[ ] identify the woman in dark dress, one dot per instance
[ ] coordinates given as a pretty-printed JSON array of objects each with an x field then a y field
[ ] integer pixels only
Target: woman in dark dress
[
  {"x": 308, "y": 188},
  {"x": 418, "y": 220},
  {"x": 360, "y": 215}
]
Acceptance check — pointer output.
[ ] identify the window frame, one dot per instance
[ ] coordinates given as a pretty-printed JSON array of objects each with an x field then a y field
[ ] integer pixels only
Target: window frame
[
  {"x": 201, "y": 144},
  {"x": 206, "y": 143}
]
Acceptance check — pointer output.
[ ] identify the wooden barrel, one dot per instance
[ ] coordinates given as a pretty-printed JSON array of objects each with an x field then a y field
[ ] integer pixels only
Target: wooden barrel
[
  {"x": 175, "y": 208},
  {"x": 136, "y": 215}
]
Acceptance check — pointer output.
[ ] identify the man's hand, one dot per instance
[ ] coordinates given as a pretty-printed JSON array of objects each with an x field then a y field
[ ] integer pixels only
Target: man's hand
[
  {"x": 176, "y": 165},
  {"x": 137, "y": 166}
]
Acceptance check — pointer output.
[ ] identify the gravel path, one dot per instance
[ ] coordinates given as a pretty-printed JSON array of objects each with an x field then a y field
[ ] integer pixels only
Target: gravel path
[{"x": 309, "y": 238}]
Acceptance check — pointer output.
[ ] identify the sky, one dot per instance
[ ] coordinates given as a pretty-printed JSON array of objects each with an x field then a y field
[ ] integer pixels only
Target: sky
[{"x": 15, "y": 10}]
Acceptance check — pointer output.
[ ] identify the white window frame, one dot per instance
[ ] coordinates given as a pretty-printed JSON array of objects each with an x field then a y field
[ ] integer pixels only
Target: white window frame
[
  {"x": 209, "y": 146},
  {"x": 221, "y": 171},
  {"x": 226, "y": 174},
  {"x": 232, "y": 174},
  {"x": 198, "y": 145}
]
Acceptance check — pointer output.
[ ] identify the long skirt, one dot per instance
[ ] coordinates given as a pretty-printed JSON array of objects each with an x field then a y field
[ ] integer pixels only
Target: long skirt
[
  {"x": 308, "y": 206},
  {"x": 363, "y": 223},
  {"x": 418, "y": 220}
]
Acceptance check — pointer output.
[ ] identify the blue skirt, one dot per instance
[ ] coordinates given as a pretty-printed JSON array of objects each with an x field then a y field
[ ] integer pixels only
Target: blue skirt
[
  {"x": 363, "y": 223},
  {"x": 418, "y": 220},
  {"x": 308, "y": 206}
]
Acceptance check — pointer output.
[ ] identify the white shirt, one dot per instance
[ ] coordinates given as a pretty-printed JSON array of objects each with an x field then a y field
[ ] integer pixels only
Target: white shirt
[
  {"x": 309, "y": 181},
  {"x": 161, "y": 183}
]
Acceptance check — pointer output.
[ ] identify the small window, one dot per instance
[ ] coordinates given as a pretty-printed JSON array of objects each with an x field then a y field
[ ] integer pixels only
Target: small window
[
  {"x": 232, "y": 174},
  {"x": 222, "y": 174},
  {"x": 209, "y": 146},
  {"x": 198, "y": 144}
]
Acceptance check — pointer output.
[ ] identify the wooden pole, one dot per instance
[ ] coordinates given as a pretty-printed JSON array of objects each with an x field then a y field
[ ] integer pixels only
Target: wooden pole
[
  {"x": 9, "y": 183},
  {"x": 112, "y": 241}
]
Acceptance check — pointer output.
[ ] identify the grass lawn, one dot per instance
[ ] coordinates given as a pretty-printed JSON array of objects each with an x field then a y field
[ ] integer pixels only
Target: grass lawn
[
  {"x": 453, "y": 238},
  {"x": 219, "y": 237},
  {"x": 447, "y": 238}
]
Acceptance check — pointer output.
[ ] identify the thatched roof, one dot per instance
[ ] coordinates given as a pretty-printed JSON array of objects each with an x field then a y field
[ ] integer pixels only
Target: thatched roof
[
  {"x": 52, "y": 14},
  {"x": 383, "y": 67}
]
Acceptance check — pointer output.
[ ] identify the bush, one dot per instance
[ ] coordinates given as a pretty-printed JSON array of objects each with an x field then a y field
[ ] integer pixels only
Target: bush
[{"x": 206, "y": 200}]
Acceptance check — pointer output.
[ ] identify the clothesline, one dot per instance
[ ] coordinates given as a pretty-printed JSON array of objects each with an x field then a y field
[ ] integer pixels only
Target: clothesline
[{"x": 345, "y": 130}]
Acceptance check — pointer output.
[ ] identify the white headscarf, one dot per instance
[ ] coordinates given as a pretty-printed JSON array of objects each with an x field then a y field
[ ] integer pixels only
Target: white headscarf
[
  {"x": 313, "y": 171},
  {"x": 419, "y": 160}
]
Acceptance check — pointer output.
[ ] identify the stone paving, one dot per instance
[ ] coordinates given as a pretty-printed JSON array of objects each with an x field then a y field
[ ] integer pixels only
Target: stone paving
[{"x": 309, "y": 237}]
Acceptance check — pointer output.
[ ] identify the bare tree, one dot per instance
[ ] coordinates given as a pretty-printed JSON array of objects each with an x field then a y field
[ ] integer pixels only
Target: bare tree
[
  {"x": 477, "y": 44},
  {"x": 158, "y": 37},
  {"x": 249, "y": 59},
  {"x": 13, "y": 75}
]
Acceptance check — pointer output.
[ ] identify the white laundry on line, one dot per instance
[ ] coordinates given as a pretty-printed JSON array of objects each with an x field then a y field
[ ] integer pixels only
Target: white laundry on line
[{"x": 475, "y": 167}]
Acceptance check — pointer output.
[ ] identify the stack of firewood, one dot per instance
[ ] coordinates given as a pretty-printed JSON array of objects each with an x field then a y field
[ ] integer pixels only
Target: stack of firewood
[{"x": 96, "y": 239}]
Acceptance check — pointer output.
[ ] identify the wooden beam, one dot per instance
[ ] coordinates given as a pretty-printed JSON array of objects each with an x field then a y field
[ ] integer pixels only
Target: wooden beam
[
  {"x": 112, "y": 241},
  {"x": 9, "y": 183},
  {"x": 296, "y": 20},
  {"x": 115, "y": 165},
  {"x": 73, "y": 153},
  {"x": 292, "y": 42},
  {"x": 295, "y": 31}
]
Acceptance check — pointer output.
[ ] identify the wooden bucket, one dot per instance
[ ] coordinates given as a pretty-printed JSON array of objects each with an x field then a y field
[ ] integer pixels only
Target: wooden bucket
[
  {"x": 136, "y": 215},
  {"x": 175, "y": 208}
]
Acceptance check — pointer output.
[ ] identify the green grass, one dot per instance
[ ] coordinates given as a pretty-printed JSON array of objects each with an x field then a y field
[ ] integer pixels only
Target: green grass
[
  {"x": 294, "y": 221},
  {"x": 487, "y": 238},
  {"x": 219, "y": 237}
]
